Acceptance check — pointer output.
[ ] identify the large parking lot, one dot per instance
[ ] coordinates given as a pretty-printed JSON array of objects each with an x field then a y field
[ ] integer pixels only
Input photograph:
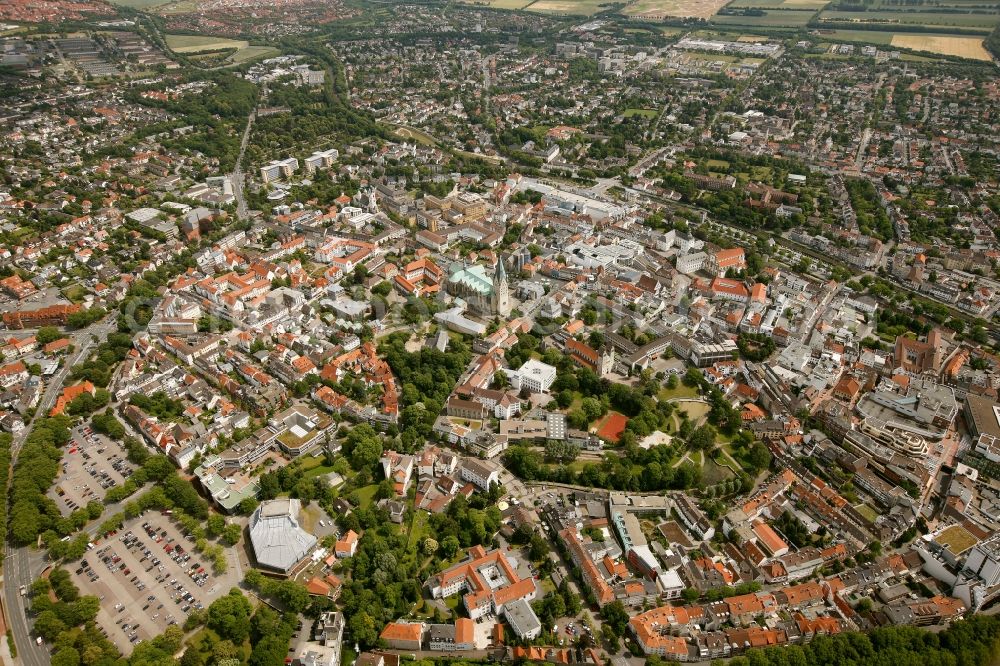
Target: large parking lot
[
  {"x": 148, "y": 577},
  {"x": 93, "y": 464}
]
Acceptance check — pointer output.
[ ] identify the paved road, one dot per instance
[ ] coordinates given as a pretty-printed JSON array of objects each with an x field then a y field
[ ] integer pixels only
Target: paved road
[
  {"x": 22, "y": 565},
  {"x": 236, "y": 177},
  {"x": 866, "y": 137}
]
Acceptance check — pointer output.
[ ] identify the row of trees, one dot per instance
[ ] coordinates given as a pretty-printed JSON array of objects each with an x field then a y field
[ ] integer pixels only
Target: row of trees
[
  {"x": 5, "y": 442},
  {"x": 971, "y": 642},
  {"x": 32, "y": 511}
]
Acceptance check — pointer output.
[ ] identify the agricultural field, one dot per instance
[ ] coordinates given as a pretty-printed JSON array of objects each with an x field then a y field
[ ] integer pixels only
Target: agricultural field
[
  {"x": 779, "y": 18},
  {"x": 201, "y": 43},
  {"x": 572, "y": 7},
  {"x": 778, "y": 4},
  {"x": 179, "y": 7},
  {"x": 140, "y": 4},
  {"x": 674, "y": 8},
  {"x": 952, "y": 45},
  {"x": 966, "y": 5},
  {"x": 499, "y": 4},
  {"x": 876, "y": 37},
  {"x": 978, "y": 22}
]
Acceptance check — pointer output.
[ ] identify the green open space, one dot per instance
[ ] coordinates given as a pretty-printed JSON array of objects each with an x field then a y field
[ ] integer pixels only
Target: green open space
[
  {"x": 868, "y": 512},
  {"x": 781, "y": 18},
  {"x": 252, "y": 53},
  {"x": 412, "y": 134},
  {"x": 714, "y": 57},
  {"x": 695, "y": 410},
  {"x": 418, "y": 529},
  {"x": 977, "y": 22},
  {"x": 569, "y": 7},
  {"x": 140, "y": 4},
  {"x": 366, "y": 495},
  {"x": 318, "y": 470},
  {"x": 200, "y": 43},
  {"x": 778, "y": 4},
  {"x": 499, "y": 4},
  {"x": 712, "y": 472},
  {"x": 864, "y": 36},
  {"x": 681, "y": 391},
  {"x": 645, "y": 113},
  {"x": 74, "y": 293}
]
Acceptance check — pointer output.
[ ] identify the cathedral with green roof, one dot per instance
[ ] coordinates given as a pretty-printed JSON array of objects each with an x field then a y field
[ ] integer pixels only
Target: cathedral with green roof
[{"x": 487, "y": 295}]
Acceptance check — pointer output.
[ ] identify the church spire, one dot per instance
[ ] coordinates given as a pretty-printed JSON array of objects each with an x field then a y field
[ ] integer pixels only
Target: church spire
[
  {"x": 500, "y": 275},
  {"x": 501, "y": 294}
]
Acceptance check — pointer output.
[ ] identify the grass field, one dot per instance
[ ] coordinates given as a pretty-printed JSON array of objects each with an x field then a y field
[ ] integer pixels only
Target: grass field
[
  {"x": 252, "y": 52},
  {"x": 418, "y": 529},
  {"x": 674, "y": 8},
  {"x": 579, "y": 7},
  {"x": 366, "y": 494},
  {"x": 981, "y": 22},
  {"x": 712, "y": 472},
  {"x": 645, "y": 113},
  {"x": 953, "y": 45},
  {"x": 74, "y": 293},
  {"x": 682, "y": 391},
  {"x": 415, "y": 135},
  {"x": 319, "y": 470},
  {"x": 199, "y": 43},
  {"x": 779, "y": 18},
  {"x": 694, "y": 410}
]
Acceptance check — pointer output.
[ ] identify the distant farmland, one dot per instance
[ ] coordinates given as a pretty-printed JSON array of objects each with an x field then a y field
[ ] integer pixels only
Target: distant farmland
[
  {"x": 499, "y": 4},
  {"x": 580, "y": 7},
  {"x": 966, "y": 21},
  {"x": 778, "y": 18},
  {"x": 778, "y": 4},
  {"x": 673, "y": 8},
  {"x": 140, "y": 4},
  {"x": 953, "y": 45}
]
